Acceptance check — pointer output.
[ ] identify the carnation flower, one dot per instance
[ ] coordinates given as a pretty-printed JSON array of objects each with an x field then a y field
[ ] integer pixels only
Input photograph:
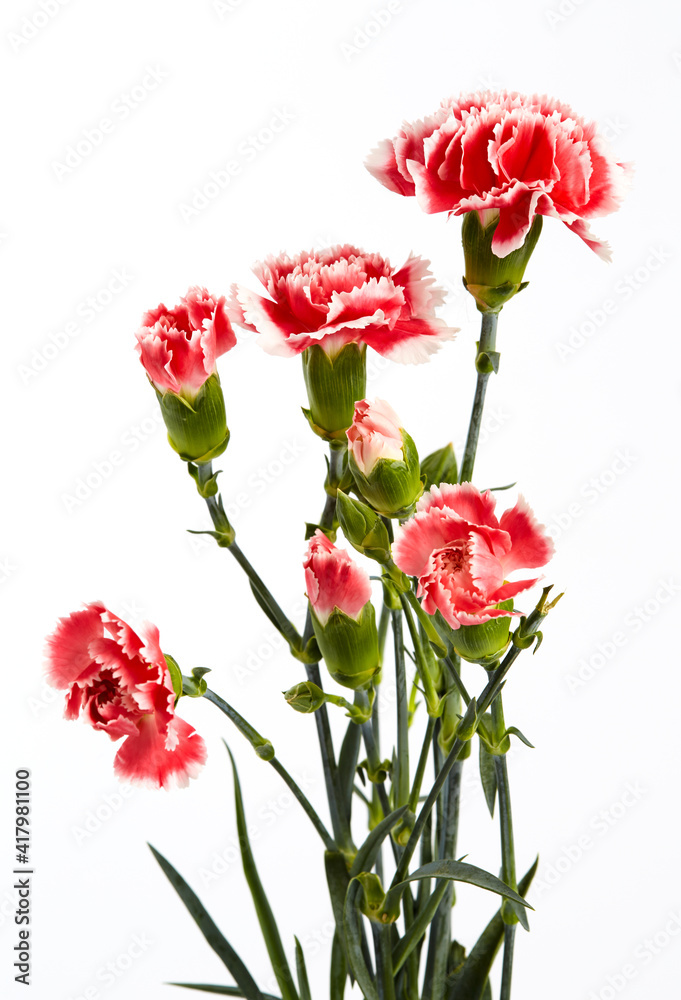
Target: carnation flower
[
  {"x": 339, "y": 296},
  {"x": 509, "y": 157},
  {"x": 121, "y": 684},
  {"x": 462, "y": 555},
  {"x": 179, "y": 347}
]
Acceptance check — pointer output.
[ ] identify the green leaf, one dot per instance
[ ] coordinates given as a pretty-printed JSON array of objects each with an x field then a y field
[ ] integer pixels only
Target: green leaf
[
  {"x": 469, "y": 981},
  {"x": 458, "y": 871},
  {"x": 339, "y": 970},
  {"x": 487, "y": 991},
  {"x": 347, "y": 764},
  {"x": 210, "y": 930},
  {"x": 227, "y": 991},
  {"x": 418, "y": 928},
  {"x": 337, "y": 879},
  {"x": 368, "y": 852},
  {"x": 488, "y": 777},
  {"x": 513, "y": 731},
  {"x": 303, "y": 981},
  {"x": 268, "y": 925},
  {"x": 352, "y": 924}
]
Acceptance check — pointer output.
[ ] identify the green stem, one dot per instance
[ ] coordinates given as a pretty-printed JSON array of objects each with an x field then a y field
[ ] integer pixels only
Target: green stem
[
  {"x": 508, "y": 869},
  {"x": 402, "y": 760},
  {"x": 334, "y": 792},
  {"x": 488, "y": 333},
  {"x": 421, "y": 766},
  {"x": 373, "y": 756},
  {"x": 258, "y": 742},
  {"x": 287, "y": 628},
  {"x": 507, "y": 966},
  {"x": 432, "y": 697},
  {"x": 487, "y": 696},
  {"x": 386, "y": 953}
]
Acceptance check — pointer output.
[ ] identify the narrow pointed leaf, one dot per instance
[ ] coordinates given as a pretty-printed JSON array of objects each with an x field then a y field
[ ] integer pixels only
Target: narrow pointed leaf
[
  {"x": 352, "y": 924},
  {"x": 469, "y": 982},
  {"x": 488, "y": 777},
  {"x": 487, "y": 991},
  {"x": 339, "y": 970},
  {"x": 210, "y": 930},
  {"x": 458, "y": 871},
  {"x": 268, "y": 925},
  {"x": 368, "y": 852},
  {"x": 347, "y": 764},
  {"x": 225, "y": 991},
  {"x": 303, "y": 981},
  {"x": 419, "y": 927},
  {"x": 514, "y": 731}
]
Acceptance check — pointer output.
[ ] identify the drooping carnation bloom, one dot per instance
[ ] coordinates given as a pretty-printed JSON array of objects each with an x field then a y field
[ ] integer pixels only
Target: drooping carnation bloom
[
  {"x": 505, "y": 153},
  {"x": 343, "y": 617},
  {"x": 121, "y": 684},
  {"x": 374, "y": 434},
  {"x": 333, "y": 580},
  {"x": 179, "y": 347},
  {"x": 463, "y": 556},
  {"x": 342, "y": 295}
]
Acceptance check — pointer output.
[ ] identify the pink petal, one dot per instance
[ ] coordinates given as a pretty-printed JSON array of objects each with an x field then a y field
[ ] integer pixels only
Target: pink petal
[
  {"x": 530, "y": 545},
  {"x": 68, "y": 647},
  {"x": 157, "y": 760}
]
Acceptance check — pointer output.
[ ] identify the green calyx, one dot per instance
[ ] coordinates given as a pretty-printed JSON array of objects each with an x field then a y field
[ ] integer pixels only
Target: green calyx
[
  {"x": 334, "y": 384},
  {"x": 493, "y": 280},
  {"x": 393, "y": 486},
  {"x": 349, "y": 647},
  {"x": 363, "y": 528},
  {"x": 197, "y": 428},
  {"x": 484, "y": 643}
]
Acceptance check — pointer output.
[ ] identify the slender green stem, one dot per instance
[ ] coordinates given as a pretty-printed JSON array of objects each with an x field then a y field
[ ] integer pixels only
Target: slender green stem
[
  {"x": 259, "y": 743},
  {"x": 386, "y": 953},
  {"x": 402, "y": 760},
  {"x": 487, "y": 696},
  {"x": 329, "y": 842},
  {"x": 421, "y": 766},
  {"x": 432, "y": 697},
  {"x": 383, "y": 623},
  {"x": 488, "y": 333},
  {"x": 334, "y": 792},
  {"x": 221, "y": 524},
  {"x": 456, "y": 677},
  {"x": 507, "y": 966},
  {"x": 373, "y": 756},
  {"x": 508, "y": 869}
]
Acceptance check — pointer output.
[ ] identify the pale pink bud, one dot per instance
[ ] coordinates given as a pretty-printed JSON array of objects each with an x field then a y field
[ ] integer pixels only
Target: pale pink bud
[{"x": 375, "y": 434}]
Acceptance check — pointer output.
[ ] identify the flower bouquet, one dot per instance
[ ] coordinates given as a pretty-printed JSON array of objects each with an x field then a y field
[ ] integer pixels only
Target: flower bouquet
[{"x": 441, "y": 569}]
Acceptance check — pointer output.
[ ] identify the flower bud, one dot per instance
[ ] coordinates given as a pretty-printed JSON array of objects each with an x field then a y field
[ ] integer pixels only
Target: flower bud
[
  {"x": 373, "y": 897},
  {"x": 440, "y": 467},
  {"x": 363, "y": 528},
  {"x": 305, "y": 697},
  {"x": 178, "y": 348},
  {"x": 493, "y": 280},
  {"x": 485, "y": 643},
  {"x": 383, "y": 459},
  {"x": 342, "y": 614},
  {"x": 334, "y": 382}
]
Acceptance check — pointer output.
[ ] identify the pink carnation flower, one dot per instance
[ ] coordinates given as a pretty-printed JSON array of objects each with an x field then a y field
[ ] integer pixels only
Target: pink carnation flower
[
  {"x": 179, "y": 347},
  {"x": 462, "y": 555},
  {"x": 374, "y": 434},
  {"x": 121, "y": 685},
  {"x": 340, "y": 296},
  {"x": 507, "y": 153},
  {"x": 333, "y": 580}
]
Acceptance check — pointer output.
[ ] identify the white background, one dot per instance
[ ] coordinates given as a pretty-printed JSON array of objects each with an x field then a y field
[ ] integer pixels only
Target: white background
[{"x": 589, "y": 372}]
